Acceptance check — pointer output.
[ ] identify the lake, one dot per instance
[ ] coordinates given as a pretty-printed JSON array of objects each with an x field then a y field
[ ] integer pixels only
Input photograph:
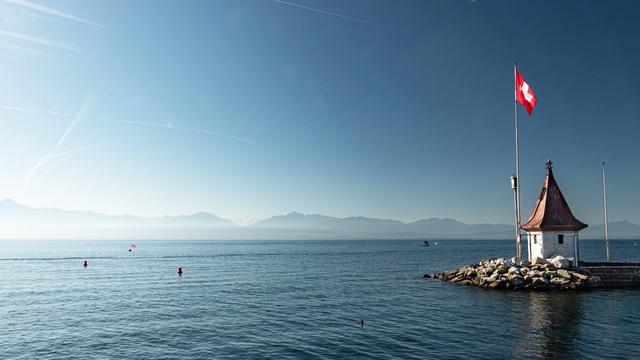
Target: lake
[{"x": 295, "y": 299}]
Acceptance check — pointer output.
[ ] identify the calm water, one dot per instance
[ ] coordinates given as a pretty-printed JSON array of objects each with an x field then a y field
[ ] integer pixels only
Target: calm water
[{"x": 294, "y": 299}]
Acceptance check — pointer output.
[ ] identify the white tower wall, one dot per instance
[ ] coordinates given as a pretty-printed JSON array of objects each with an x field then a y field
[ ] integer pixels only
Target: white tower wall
[{"x": 548, "y": 244}]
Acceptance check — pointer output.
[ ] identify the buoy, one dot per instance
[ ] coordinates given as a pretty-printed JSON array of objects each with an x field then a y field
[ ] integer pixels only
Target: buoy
[
  {"x": 360, "y": 323},
  {"x": 85, "y": 263},
  {"x": 180, "y": 270}
]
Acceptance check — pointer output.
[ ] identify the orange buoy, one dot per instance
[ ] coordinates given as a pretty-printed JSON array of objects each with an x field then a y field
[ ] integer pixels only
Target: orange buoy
[
  {"x": 85, "y": 263},
  {"x": 180, "y": 270}
]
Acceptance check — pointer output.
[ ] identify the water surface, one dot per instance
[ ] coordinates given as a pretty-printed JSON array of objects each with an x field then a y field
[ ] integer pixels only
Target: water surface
[{"x": 294, "y": 299}]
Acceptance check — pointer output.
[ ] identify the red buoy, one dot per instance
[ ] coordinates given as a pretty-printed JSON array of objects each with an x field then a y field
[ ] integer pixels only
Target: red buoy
[
  {"x": 85, "y": 263},
  {"x": 180, "y": 270}
]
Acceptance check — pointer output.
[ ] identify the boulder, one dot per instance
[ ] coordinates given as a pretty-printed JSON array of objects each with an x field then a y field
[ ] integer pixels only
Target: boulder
[
  {"x": 552, "y": 274},
  {"x": 561, "y": 262},
  {"x": 564, "y": 273},
  {"x": 560, "y": 281},
  {"x": 580, "y": 277},
  {"x": 538, "y": 261},
  {"x": 538, "y": 281}
]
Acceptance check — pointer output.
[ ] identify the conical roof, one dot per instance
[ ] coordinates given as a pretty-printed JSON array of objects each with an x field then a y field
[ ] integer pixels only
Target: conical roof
[{"x": 552, "y": 213}]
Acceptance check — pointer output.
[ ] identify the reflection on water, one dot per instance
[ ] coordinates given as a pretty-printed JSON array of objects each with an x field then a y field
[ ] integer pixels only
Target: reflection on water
[{"x": 551, "y": 325}]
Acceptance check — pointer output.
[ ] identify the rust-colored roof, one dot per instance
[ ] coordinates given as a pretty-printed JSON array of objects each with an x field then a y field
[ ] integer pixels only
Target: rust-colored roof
[{"x": 552, "y": 213}]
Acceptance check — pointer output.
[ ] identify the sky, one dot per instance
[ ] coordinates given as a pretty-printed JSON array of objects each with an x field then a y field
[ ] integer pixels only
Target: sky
[{"x": 378, "y": 108}]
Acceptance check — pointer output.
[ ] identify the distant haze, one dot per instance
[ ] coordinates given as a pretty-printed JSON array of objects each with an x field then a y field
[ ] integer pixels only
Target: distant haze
[{"x": 18, "y": 221}]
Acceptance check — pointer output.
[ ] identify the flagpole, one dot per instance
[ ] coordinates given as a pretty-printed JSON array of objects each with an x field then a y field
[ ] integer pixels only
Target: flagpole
[
  {"x": 606, "y": 217},
  {"x": 517, "y": 182}
]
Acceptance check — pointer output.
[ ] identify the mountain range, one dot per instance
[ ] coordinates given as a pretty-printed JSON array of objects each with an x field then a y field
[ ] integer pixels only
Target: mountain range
[{"x": 19, "y": 221}]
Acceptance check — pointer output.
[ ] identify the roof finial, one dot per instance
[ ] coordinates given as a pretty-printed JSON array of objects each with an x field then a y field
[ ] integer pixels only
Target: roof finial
[{"x": 549, "y": 164}]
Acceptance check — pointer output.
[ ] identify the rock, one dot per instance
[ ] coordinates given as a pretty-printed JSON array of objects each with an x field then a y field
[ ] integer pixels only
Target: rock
[
  {"x": 539, "y": 261},
  {"x": 580, "y": 277},
  {"x": 510, "y": 262},
  {"x": 559, "y": 281},
  {"x": 512, "y": 276},
  {"x": 538, "y": 281},
  {"x": 540, "y": 274},
  {"x": 470, "y": 272},
  {"x": 533, "y": 273},
  {"x": 561, "y": 262},
  {"x": 564, "y": 273},
  {"x": 427, "y": 276}
]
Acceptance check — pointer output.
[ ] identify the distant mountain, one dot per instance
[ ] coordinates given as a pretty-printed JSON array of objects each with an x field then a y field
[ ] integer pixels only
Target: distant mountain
[
  {"x": 199, "y": 218},
  {"x": 14, "y": 213},
  {"x": 363, "y": 227},
  {"x": 617, "y": 230},
  {"x": 18, "y": 221},
  {"x": 293, "y": 220}
]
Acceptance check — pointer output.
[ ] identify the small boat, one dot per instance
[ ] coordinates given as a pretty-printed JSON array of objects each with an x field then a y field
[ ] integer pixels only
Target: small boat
[{"x": 425, "y": 243}]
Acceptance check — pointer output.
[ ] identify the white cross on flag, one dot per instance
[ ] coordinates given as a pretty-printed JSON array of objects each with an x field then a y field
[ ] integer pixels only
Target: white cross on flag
[{"x": 524, "y": 94}]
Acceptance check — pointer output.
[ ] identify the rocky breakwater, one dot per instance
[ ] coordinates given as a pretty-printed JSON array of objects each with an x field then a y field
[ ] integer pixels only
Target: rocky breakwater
[{"x": 543, "y": 275}]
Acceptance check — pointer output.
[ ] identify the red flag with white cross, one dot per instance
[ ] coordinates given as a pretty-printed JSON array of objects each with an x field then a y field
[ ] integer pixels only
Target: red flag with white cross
[{"x": 524, "y": 93}]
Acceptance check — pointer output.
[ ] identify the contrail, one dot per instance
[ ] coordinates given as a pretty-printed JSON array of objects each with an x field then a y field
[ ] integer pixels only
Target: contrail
[
  {"x": 83, "y": 112},
  {"x": 51, "y": 11},
  {"x": 39, "y": 40},
  {"x": 169, "y": 126},
  {"x": 75, "y": 150},
  {"x": 333, "y": 14},
  {"x": 31, "y": 51},
  {"x": 86, "y": 106},
  {"x": 35, "y": 111},
  {"x": 49, "y": 156}
]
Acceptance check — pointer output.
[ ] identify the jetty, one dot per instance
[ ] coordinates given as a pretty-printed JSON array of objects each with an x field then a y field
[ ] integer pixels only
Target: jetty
[
  {"x": 554, "y": 255},
  {"x": 557, "y": 273}
]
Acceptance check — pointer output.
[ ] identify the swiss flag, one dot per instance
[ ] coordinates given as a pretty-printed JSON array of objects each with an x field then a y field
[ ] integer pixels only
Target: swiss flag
[{"x": 524, "y": 94}]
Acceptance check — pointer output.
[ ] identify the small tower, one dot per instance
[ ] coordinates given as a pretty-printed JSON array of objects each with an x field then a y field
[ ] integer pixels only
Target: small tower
[{"x": 552, "y": 228}]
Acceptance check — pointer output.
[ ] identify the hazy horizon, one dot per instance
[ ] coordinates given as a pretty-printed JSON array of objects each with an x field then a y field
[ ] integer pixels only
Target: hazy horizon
[{"x": 22, "y": 222}]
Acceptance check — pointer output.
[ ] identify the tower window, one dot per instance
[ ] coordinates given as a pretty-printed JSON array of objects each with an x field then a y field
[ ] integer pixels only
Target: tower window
[
  {"x": 535, "y": 239},
  {"x": 560, "y": 238}
]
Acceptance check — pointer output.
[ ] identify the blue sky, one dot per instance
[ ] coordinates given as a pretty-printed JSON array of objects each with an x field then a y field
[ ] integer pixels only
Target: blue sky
[{"x": 379, "y": 108}]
